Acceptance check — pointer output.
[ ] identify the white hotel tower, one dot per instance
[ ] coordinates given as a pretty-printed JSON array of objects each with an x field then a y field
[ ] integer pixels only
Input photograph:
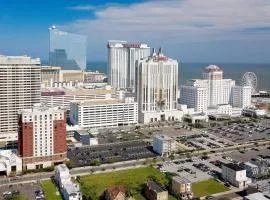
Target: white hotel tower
[
  {"x": 122, "y": 58},
  {"x": 157, "y": 88},
  {"x": 215, "y": 95},
  {"x": 19, "y": 89}
]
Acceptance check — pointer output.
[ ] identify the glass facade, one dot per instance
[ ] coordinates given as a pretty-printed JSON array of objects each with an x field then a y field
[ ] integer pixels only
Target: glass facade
[{"x": 67, "y": 50}]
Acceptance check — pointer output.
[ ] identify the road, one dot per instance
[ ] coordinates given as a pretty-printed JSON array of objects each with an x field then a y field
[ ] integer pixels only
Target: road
[{"x": 121, "y": 165}]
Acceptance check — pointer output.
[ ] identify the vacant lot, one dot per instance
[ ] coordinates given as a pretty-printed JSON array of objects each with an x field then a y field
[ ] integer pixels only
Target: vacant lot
[
  {"x": 208, "y": 187},
  {"x": 93, "y": 186},
  {"x": 50, "y": 190}
]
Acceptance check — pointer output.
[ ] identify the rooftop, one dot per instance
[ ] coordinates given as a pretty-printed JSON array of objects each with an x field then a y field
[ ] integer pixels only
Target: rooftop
[
  {"x": 163, "y": 137},
  {"x": 20, "y": 60},
  {"x": 97, "y": 102},
  {"x": 71, "y": 188},
  {"x": 234, "y": 166},
  {"x": 250, "y": 164},
  {"x": 77, "y": 91},
  {"x": 155, "y": 186},
  {"x": 62, "y": 168},
  {"x": 114, "y": 191},
  {"x": 258, "y": 196},
  {"x": 180, "y": 179},
  {"x": 212, "y": 68}
]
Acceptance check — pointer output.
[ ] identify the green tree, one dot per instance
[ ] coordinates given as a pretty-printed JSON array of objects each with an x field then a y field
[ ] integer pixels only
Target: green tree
[{"x": 95, "y": 163}]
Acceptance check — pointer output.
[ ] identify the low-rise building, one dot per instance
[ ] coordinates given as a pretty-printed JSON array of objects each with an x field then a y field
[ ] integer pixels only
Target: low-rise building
[
  {"x": 115, "y": 193},
  {"x": 68, "y": 189},
  {"x": 235, "y": 175},
  {"x": 93, "y": 77},
  {"x": 182, "y": 187},
  {"x": 153, "y": 191},
  {"x": 103, "y": 113},
  {"x": 258, "y": 196},
  {"x": 164, "y": 145},
  {"x": 63, "y": 97},
  {"x": 82, "y": 136},
  {"x": 10, "y": 162},
  {"x": 196, "y": 118},
  {"x": 252, "y": 170},
  {"x": 253, "y": 112}
]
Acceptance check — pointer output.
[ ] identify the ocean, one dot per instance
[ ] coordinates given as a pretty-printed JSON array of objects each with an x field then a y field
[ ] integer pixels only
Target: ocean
[{"x": 189, "y": 71}]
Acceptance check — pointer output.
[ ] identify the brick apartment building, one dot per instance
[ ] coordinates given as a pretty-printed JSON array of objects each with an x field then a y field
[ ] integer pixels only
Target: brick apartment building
[{"x": 42, "y": 137}]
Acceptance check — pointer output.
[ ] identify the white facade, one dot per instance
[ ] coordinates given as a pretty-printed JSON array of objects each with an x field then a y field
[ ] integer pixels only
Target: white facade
[
  {"x": 103, "y": 113},
  {"x": 10, "y": 162},
  {"x": 241, "y": 96},
  {"x": 235, "y": 174},
  {"x": 43, "y": 119},
  {"x": 195, "y": 97},
  {"x": 121, "y": 63},
  {"x": 19, "y": 89},
  {"x": 157, "y": 88},
  {"x": 69, "y": 190},
  {"x": 163, "y": 145},
  {"x": 215, "y": 95},
  {"x": 52, "y": 99}
]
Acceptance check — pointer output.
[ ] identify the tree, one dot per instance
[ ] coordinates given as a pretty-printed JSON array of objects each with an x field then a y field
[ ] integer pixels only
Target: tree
[
  {"x": 95, "y": 163},
  {"x": 70, "y": 164}
]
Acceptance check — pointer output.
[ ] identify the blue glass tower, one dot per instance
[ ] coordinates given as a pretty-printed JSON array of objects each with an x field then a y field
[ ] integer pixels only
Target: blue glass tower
[{"x": 67, "y": 50}]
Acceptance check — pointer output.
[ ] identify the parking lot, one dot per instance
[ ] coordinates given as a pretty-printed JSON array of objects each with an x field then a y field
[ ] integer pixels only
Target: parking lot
[
  {"x": 195, "y": 169},
  {"x": 27, "y": 189},
  {"x": 248, "y": 155},
  {"x": 109, "y": 153},
  {"x": 243, "y": 132}
]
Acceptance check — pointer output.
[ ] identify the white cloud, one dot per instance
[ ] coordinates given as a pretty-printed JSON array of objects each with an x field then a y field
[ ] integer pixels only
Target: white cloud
[
  {"x": 177, "y": 17},
  {"x": 83, "y": 8},
  {"x": 177, "y": 21}
]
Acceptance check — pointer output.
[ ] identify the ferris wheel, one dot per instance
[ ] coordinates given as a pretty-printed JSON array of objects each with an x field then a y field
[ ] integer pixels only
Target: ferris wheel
[{"x": 250, "y": 79}]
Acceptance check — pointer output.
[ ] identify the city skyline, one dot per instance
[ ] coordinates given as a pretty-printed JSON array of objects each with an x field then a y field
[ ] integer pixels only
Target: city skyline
[{"x": 220, "y": 31}]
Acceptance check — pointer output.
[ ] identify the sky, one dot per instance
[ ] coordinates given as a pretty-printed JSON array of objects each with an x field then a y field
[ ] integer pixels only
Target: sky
[{"x": 228, "y": 31}]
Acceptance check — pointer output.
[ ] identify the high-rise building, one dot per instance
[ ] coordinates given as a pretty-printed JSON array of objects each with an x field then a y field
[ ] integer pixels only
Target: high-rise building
[
  {"x": 157, "y": 88},
  {"x": 67, "y": 50},
  {"x": 195, "y": 97},
  {"x": 122, "y": 58},
  {"x": 215, "y": 95},
  {"x": 42, "y": 136},
  {"x": 19, "y": 89},
  {"x": 219, "y": 89},
  {"x": 241, "y": 96}
]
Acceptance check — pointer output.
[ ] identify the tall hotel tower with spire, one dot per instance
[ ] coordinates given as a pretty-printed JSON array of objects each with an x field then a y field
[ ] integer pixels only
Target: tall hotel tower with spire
[{"x": 157, "y": 88}]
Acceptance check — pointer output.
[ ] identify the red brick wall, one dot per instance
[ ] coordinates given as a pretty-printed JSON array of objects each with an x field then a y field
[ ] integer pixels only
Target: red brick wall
[
  {"x": 60, "y": 133},
  {"x": 25, "y": 139}
]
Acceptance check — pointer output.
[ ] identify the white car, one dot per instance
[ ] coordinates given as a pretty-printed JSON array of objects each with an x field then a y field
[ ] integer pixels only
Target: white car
[{"x": 6, "y": 193}]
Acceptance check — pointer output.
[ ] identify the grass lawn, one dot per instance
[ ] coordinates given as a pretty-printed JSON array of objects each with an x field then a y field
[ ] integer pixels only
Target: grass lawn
[
  {"x": 208, "y": 187},
  {"x": 18, "y": 197},
  {"x": 94, "y": 185},
  {"x": 50, "y": 190}
]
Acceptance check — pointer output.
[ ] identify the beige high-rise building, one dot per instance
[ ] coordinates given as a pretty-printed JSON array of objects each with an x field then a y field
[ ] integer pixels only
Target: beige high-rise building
[
  {"x": 19, "y": 89},
  {"x": 157, "y": 88}
]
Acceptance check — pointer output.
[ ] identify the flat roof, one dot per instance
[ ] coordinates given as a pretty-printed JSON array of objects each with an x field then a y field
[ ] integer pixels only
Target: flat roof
[
  {"x": 181, "y": 179},
  {"x": 71, "y": 188},
  {"x": 97, "y": 102},
  {"x": 154, "y": 186},
  {"x": 250, "y": 164},
  {"x": 62, "y": 168},
  {"x": 234, "y": 166},
  {"x": 257, "y": 196},
  {"x": 79, "y": 91}
]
